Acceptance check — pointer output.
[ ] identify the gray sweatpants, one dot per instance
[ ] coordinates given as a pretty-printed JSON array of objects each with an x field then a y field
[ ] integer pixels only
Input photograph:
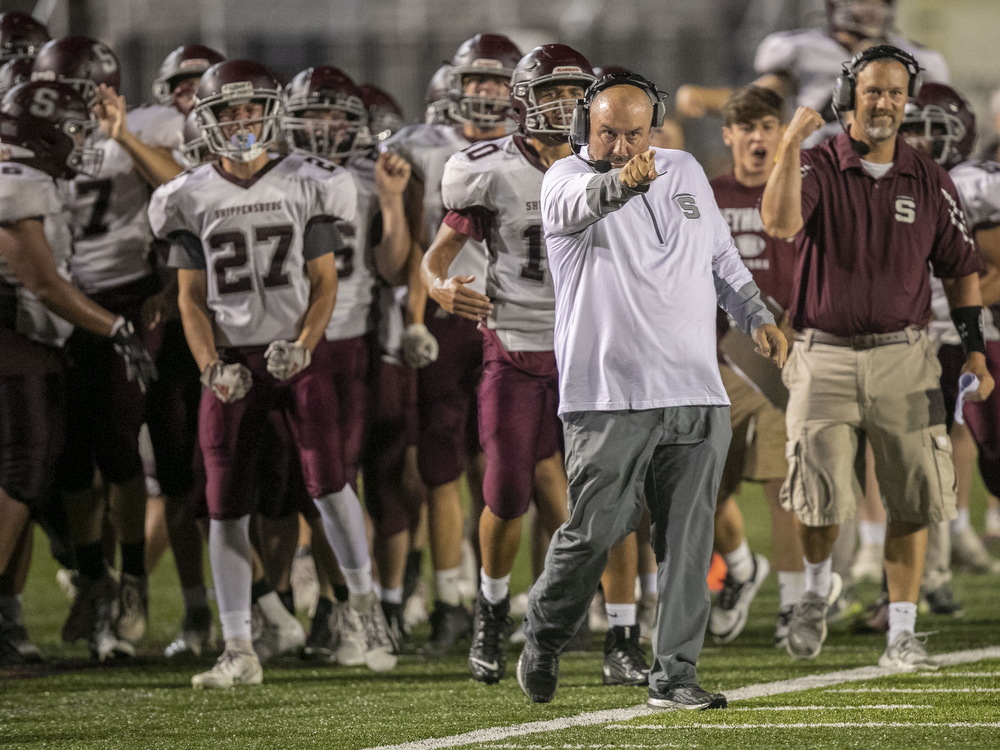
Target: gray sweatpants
[{"x": 672, "y": 459}]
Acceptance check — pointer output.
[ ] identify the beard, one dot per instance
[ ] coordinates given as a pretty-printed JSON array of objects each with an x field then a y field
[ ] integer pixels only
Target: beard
[
  {"x": 879, "y": 132},
  {"x": 617, "y": 160}
]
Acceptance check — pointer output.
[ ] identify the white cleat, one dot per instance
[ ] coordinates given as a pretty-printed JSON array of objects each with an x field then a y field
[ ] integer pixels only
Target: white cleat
[
  {"x": 867, "y": 564},
  {"x": 234, "y": 667},
  {"x": 379, "y": 650},
  {"x": 415, "y": 611},
  {"x": 908, "y": 654},
  {"x": 969, "y": 553},
  {"x": 351, "y": 647},
  {"x": 279, "y": 638},
  {"x": 132, "y": 607}
]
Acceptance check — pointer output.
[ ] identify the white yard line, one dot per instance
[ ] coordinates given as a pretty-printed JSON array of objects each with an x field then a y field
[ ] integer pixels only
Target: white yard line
[
  {"x": 810, "y": 725},
  {"x": 916, "y": 690},
  {"x": 617, "y": 715},
  {"x": 883, "y": 707}
]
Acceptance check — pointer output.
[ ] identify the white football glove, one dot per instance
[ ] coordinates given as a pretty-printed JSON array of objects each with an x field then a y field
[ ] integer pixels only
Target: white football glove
[
  {"x": 285, "y": 359},
  {"x": 228, "y": 382},
  {"x": 420, "y": 348}
]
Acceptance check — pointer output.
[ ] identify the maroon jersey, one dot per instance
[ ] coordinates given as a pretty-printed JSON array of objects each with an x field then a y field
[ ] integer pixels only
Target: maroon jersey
[
  {"x": 770, "y": 260},
  {"x": 864, "y": 251}
]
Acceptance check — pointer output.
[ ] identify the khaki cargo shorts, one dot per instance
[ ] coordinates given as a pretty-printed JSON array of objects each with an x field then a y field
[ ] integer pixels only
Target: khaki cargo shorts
[
  {"x": 757, "y": 451},
  {"x": 890, "y": 393}
]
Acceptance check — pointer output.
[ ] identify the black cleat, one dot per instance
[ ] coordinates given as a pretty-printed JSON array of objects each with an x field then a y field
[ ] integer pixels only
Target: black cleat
[
  {"x": 624, "y": 660},
  {"x": 399, "y": 633},
  {"x": 449, "y": 623},
  {"x": 321, "y": 645},
  {"x": 941, "y": 601},
  {"x": 15, "y": 646},
  {"x": 537, "y": 674},
  {"x": 487, "y": 661},
  {"x": 689, "y": 696}
]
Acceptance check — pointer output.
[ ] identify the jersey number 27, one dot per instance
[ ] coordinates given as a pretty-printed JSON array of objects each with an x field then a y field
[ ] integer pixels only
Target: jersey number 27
[{"x": 227, "y": 269}]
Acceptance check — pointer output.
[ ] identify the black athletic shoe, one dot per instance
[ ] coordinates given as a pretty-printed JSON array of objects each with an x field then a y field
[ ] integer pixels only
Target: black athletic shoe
[
  {"x": 537, "y": 674},
  {"x": 449, "y": 623},
  {"x": 15, "y": 646},
  {"x": 487, "y": 661},
  {"x": 689, "y": 696},
  {"x": 941, "y": 601},
  {"x": 398, "y": 632},
  {"x": 624, "y": 660},
  {"x": 321, "y": 645}
]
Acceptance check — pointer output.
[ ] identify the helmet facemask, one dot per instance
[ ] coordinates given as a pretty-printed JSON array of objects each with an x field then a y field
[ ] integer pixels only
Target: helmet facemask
[
  {"x": 936, "y": 126},
  {"x": 868, "y": 19},
  {"x": 486, "y": 112},
  {"x": 85, "y": 158},
  {"x": 235, "y": 139},
  {"x": 553, "y": 117},
  {"x": 329, "y": 137}
]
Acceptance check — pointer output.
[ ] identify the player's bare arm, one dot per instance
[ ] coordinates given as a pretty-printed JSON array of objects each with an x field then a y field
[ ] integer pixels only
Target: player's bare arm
[
  {"x": 322, "y": 298},
  {"x": 155, "y": 163},
  {"x": 781, "y": 206},
  {"x": 698, "y": 101},
  {"x": 452, "y": 293},
  {"x": 964, "y": 292},
  {"x": 192, "y": 300},
  {"x": 392, "y": 174}
]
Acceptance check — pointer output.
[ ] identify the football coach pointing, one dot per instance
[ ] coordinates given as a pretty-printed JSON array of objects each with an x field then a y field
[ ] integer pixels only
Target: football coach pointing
[{"x": 640, "y": 257}]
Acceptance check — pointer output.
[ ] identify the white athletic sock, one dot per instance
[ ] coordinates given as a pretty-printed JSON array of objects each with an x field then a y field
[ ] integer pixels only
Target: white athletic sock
[
  {"x": 393, "y": 596},
  {"x": 818, "y": 579},
  {"x": 791, "y": 587},
  {"x": 195, "y": 597},
  {"x": 10, "y": 609},
  {"x": 229, "y": 553},
  {"x": 495, "y": 590},
  {"x": 871, "y": 532},
  {"x": 962, "y": 522},
  {"x": 446, "y": 582},
  {"x": 647, "y": 583},
  {"x": 274, "y": 611},
  {"x": 239, "y": 644},
  {"x": 739, "y": 562},
  {"x": 902, "y": 619},
  {"x": 620, "y": 615},
  {"x": 359, "y": 581},
  {"x": 344, "y": 524}
]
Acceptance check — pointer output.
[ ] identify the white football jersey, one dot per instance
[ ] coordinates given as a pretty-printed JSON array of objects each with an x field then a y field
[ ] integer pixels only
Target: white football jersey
[
  {"x": 504, "y": 178},
  {"x": 110, "y": 229},
  {"x": 427, "y": 148},
  {"x": 248, "y": 235},
  {"x": 813, "y": 59},
  {"x": 28, "y": 193},
  {"x": 978, "y": 185},
  {"x": 355, "y": 259}
]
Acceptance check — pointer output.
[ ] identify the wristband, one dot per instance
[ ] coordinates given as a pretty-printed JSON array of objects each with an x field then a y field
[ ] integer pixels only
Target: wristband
[{"x": 969, "y": 322}]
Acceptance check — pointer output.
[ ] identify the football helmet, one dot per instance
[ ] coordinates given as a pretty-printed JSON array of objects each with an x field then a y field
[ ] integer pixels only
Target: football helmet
[
  {"x": 20, "y": 36},
  {"x": 484, "y": 55},
  {"x": 385, "y": 116},
  {"x": 544, "y": 66},
  {"x": 605, "y": 70},
  {"x": 328, "y": 89},
  {"x": 194, "y": 147},
  {"x": 79, "y": 61},
  {"x": 437, "y": 97},
  {"x": 868, "y": 19},
  {"x": 944, "y": 117},
  {"x": 47, "y": 125},
  {"x": 14, "y": 72},
  {"x": 190, "y": 61},
  {"x": 233, "y": 83}
]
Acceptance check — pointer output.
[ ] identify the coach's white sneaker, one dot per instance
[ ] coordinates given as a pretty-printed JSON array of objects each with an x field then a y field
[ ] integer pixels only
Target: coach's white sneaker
[
  {"x": 351, "y": 643},
  {"x": 807, "y": 628},
  {"x": 867, "y": 564},
  {"x": 908, "y": 654},
  {"x": 236, "y": 666}
]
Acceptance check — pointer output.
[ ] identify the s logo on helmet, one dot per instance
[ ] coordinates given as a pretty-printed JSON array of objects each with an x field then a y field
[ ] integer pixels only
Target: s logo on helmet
[
  {"x": 43, "y": 105},
  {"x": 906, "y": 212}
]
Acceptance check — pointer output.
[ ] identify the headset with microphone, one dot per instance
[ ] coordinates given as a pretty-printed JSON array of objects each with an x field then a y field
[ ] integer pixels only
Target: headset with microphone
[
  {"x": 846, "y": 87},
  {"x": 579, "y": 130}
]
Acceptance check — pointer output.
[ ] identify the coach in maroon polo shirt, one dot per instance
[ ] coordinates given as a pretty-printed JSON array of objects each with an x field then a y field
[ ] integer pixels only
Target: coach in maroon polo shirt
[{"x": 868, "y": 214}]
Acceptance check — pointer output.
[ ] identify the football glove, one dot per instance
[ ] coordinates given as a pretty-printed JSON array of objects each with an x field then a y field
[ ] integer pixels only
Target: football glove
[
  {"x": 228, "y": 382},
  {"x": 420, "y": 348},
  {"x": 139, "y": 366},
  {"x": 286, "y": 359}
]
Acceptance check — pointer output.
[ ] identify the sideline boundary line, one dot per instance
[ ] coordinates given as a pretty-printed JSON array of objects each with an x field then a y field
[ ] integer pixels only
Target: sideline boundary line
[{"x": 615, "y": 715}]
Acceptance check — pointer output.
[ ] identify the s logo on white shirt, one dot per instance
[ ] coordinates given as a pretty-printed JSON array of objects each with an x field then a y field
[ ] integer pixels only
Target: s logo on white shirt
[{"x": 688, "y": 206}]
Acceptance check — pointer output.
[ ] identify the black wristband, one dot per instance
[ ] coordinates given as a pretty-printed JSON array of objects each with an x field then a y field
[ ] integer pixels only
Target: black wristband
[{"x": 969, "y": 322}]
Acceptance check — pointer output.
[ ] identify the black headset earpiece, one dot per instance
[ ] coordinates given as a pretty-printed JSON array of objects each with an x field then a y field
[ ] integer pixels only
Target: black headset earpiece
[{"x": 846, "y": 85}]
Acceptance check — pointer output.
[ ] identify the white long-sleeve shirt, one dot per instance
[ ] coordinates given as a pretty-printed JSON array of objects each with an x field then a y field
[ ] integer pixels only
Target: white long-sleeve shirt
[{"x": 638, "y": 277}]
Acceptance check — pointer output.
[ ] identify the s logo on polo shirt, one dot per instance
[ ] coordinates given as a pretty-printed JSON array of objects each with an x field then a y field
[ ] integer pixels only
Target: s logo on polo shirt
[
  {"x": 906, "y": 209},
  {"x": 688, "y": 206}
]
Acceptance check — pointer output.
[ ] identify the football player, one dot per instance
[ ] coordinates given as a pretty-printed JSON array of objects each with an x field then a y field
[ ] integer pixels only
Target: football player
[
  {"x": 21, "y": 36},
  {"x": 448, "y": 348},
  {"x": 940, "y": 123},
  {"x": 110, "y": 263},
  {"x": 802, "y": 65},
  {"x": 44, "y": 127},
  {"x": 753, "y": 128},
  {"x": 254, "y": 241}
]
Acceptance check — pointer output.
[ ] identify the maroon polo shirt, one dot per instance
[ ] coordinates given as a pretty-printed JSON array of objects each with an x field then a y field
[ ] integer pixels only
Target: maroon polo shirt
[{"x": 863, "y": 254}]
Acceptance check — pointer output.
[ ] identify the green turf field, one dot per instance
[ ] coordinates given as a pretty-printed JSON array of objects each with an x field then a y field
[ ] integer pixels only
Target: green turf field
[{"x": 71, "y": 703}]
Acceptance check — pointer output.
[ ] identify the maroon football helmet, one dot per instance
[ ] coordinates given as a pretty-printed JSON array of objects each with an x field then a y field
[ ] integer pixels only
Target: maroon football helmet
[
  {"x": 330, "y": 90},
  {"x": 20, "y": 36},
  {"x": 867, "y": 19},
  {"x": 605, "y": 70},
  {"x": 233, "y": 83},
  {"x": 437, "y": 97},
  {"x": 186, "y": 62},
  {"x": 547, "y": 65},
  {"x": 194, "y": 149},
  {"x": 492, "y": 55},
  {"x": 14, "y": 72},
  {"x": 941, "y": 117},
  {"x": 79, "y": 61},
  {"x": 46, "y": 125},
  {"x": 385, "y": 116}
]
